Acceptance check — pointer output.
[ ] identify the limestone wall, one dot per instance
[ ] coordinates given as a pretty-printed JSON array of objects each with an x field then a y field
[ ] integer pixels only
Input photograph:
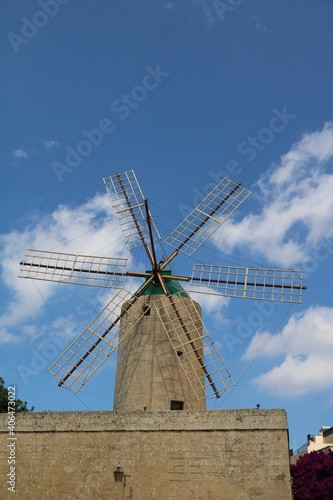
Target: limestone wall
[{"x": 201, "y": 455}]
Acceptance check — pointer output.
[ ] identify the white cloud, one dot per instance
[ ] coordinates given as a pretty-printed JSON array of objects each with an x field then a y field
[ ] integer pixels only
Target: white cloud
[
  {"x": 20, "y": 153},
  {"x": 89, "y": 229},
  {"x": 50, "y": 144},
  {"x": 297, "y": 204},
  {"x": 306, "y": 345}
]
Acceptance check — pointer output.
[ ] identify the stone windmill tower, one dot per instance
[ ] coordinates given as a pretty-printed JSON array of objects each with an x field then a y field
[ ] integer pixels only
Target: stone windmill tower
[
  {"x": 166, "y": 357},
  {"x": 152, "y": 371}
]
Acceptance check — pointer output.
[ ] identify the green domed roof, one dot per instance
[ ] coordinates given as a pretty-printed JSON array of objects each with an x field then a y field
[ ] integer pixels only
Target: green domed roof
[{"x": 173, "y": 286}]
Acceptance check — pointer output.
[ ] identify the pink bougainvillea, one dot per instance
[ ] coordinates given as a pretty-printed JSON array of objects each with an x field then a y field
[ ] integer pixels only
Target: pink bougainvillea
[{"x": 312, "y": 476}]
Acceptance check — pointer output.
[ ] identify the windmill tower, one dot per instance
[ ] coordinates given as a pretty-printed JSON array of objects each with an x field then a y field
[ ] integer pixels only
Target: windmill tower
[
  {"x": 149, "y": 374},
  {"x": 166, "y": 357}
]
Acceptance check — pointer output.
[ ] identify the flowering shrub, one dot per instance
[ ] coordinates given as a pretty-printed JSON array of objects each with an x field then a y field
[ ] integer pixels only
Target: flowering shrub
[{"x": 312, "y": 476}]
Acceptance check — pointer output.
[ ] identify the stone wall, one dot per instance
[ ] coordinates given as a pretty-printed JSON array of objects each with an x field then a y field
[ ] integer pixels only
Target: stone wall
[{"x": 200, "y": 455}]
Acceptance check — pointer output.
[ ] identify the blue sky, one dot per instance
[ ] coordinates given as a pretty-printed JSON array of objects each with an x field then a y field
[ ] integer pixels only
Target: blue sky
[{"x": 183, "y": 93}]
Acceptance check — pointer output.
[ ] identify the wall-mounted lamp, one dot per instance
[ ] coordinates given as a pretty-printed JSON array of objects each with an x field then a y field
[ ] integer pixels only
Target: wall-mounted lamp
[{"x": 119, "y": 475}]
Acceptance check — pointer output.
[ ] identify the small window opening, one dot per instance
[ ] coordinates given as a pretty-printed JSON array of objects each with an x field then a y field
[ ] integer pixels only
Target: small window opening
[
  {"x": 146, "y": 310},
  {"x": 177, "y": 405}
]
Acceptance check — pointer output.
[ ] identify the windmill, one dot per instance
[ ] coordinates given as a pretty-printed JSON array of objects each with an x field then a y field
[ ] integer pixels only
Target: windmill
[{"x": 166, "y": 357}]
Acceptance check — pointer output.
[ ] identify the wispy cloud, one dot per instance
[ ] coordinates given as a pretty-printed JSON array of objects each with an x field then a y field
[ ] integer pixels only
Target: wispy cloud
[
  {"x": 306, "y": 345},
  {"x": 63, "y": 230},
  {"x": 20, "y": 153},
  {"x": 50, "y": 144},
  {"x": 297, "y": 205}
]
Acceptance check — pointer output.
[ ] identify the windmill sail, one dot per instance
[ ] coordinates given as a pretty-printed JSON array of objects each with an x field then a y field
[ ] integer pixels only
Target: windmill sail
[
  {"x": 207, "y": 217},
  {"x": 96, "y": 343},
  {"x": 129, "y": 206},
  {"x": 194, "y": 347},
  {"x": 73, "y": 269},
  {"x": 281, "y": 285}
]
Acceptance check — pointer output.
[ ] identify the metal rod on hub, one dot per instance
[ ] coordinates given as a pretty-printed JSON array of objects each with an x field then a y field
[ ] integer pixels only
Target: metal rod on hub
[{"x": 151, "y": 236}]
